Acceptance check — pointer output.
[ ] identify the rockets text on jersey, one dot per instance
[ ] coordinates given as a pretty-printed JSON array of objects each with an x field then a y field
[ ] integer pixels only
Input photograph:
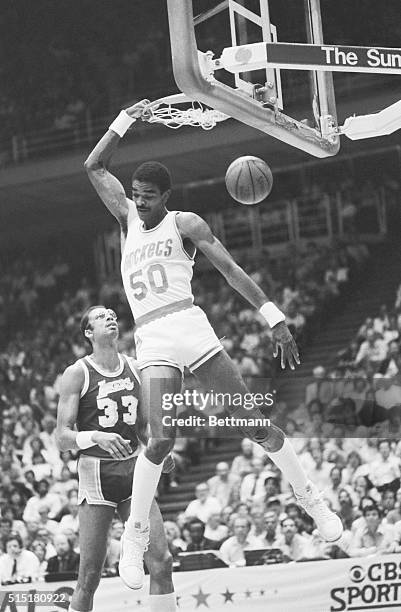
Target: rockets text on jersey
[{"x": 156, "y": 270}]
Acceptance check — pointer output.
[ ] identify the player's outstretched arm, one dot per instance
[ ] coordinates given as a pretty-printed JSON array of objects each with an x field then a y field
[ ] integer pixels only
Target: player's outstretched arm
[
  {"x": 198, "y": 231},
  {"x": 108, "y": 187},
  {"x": 67, "y": 413}
]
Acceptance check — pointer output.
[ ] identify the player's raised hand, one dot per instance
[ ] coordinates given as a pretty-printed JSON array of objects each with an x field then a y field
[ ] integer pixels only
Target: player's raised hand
[
  {"x": 113, "y": 443},
  {"x": 138, "y": 110},
  {"x": 283, "y": 340}
]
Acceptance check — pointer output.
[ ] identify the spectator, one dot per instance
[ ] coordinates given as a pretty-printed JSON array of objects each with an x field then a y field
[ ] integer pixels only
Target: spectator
[
  {"x": 48, "y": 437},
  {"x": 353, "y": 468},
  {"x": 39, "y": 550},
  {"x": 242, "y": 464},
  {"x": 232, "y": 550},
  {"x": 395, "y": 515},
  {"x": 215, "y": 532},
  {"x": 332, "y": 491},
  {"x": 66, "y": 560},
  {"x": 381, "y": 322},
  {"x": 374, "y": 537},
  {"x": 43, "y": 535},
  {"x": 198, "y": 541},
  {"x": 390, "y": 365},
  {"x": 258, "y": 521},
  {"x": 294, "y": 545},
  {"x": 319, "y": 472},
  {"x": 292, "y": 510},
  {"x": 253, "y": 485},
  {"x": 175, "y": 543},
  {"x": 385, "y": 471},
  {"x": 388, "y": 502},
  {"x": 43, "y": 496},
  {"x": 5, "y": 532},
  {"x": 17, "y": 563},
  {"x": 204, "y": 505},
  {"x": 270, "y": 537},
  {"x": 224, "y": 486},
  {"x": 346, "y": 508},
  {"x": 66, "y": 483},
  {"x": 45, "y": 522},
  {"x": 388, "y": 393},
  {"x": 372, "y": 351},
  {"x": 70, "y": 519}
]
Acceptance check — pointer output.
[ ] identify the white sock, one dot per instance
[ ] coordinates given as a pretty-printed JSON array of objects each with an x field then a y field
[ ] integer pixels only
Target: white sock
[
  {"x": 286, "y": 459},
  {"x": 144, "y": 485},
  {"x": 162, "y": 603}
]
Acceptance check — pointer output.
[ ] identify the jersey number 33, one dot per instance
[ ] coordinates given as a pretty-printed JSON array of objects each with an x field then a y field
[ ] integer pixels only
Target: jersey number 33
[{"x": 110, "y": 408}]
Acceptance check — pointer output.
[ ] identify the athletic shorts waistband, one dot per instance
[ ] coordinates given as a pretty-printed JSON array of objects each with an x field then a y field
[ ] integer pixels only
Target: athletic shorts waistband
[{"x": 163, "y": 311}]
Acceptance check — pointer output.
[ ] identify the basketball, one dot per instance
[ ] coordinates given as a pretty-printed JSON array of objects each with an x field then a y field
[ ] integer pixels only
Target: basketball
[{"x": 249, "y": 180}]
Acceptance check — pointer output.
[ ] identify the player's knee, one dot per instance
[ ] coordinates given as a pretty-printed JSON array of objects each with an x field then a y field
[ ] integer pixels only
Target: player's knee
[
  {"x": 159, "y": 448},
  {"x": 161, "y": 566},
  {"x": 89, "y": 578},
  {"x": 270, "y": 439}
]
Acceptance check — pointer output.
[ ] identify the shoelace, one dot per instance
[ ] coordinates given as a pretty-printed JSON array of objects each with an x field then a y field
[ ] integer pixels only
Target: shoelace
[
  {"x": 317, "y": 501},
  {"x": 139, "y": 540}
]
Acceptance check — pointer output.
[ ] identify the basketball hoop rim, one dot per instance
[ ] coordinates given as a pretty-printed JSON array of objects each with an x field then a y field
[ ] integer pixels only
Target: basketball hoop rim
[{"x": 177, "y": 98}]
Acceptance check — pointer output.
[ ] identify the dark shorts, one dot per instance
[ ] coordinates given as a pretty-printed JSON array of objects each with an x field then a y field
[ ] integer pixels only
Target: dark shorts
[{"x": 105, "y": 482}]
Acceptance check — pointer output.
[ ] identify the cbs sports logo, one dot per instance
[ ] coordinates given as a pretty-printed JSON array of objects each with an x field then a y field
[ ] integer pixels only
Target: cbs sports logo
[{"x": 376, "y": 587}]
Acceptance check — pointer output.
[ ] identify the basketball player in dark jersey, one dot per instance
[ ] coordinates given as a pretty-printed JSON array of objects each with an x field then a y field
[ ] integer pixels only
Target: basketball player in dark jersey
[{"x": 100, "y": 396}]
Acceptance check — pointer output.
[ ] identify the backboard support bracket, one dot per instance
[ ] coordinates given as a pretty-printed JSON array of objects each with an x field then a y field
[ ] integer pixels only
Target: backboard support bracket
[{"x": 197, "y": 85}]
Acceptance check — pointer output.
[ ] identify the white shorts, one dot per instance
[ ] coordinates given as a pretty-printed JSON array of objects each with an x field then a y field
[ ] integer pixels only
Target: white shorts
[{"x": 183, "y": 338}]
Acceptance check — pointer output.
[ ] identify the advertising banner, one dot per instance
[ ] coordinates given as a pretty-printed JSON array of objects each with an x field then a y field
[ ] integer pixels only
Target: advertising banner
[{"x": 345, "y": 585}]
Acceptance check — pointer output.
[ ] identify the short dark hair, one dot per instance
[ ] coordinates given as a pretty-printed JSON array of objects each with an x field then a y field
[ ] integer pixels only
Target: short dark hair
[
  {"x": 371, "y": 507},
  {"x": 153, "y": 172},
  {"x": 84, "y": 324},
  {"x": 194, "y": 522},
  {"x": 273, "y": 479},
  {"x": 16, "y": 537}
]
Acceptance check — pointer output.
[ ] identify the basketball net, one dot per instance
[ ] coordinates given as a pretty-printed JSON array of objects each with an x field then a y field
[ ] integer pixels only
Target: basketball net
[{"x": 165, "y": 111}]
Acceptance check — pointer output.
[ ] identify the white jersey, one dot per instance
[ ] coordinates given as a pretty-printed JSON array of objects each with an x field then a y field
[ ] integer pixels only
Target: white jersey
[{"x": 156, "y": 270}]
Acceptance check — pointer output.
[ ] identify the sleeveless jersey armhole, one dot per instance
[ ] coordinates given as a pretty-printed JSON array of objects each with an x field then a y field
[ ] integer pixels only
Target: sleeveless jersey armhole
[
  {"x": 191, "y": 258},
  {"x": 86, "y": 375}
]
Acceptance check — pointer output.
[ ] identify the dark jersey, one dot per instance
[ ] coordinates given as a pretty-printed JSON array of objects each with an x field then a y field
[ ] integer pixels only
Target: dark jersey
[{"x": 109, "y": 402}]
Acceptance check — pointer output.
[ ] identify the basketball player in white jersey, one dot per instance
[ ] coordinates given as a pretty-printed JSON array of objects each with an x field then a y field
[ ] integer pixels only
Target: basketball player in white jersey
[
  {"x": 101, "y": 397},
  {"x": 157, "y": 259}
]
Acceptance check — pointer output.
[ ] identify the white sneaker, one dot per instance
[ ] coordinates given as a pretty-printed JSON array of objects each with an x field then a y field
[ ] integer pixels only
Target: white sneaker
[
  {"x": 134, "y": 542},
  {"x": 328, "y": 523}
]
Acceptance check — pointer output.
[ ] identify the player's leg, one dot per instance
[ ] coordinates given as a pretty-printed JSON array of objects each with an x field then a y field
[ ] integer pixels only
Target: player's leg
[
  {"x": 221, "y": 375},
  {"x": 158, "y": 560},
  {"x": 94, "y": 524},
  {"x": 159, "y": 383}
]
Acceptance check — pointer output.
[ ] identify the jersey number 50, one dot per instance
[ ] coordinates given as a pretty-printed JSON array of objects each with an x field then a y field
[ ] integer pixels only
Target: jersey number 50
[
  {"x": 157, "y": 279},
  {"x": 110, "y": 407}
]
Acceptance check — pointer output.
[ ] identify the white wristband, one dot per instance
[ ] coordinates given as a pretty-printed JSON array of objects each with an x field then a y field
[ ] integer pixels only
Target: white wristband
[
  {"x": 272, "y": 314},
  {"x": 121, "y": 123},
  {"x": 84, "y": 439}
]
